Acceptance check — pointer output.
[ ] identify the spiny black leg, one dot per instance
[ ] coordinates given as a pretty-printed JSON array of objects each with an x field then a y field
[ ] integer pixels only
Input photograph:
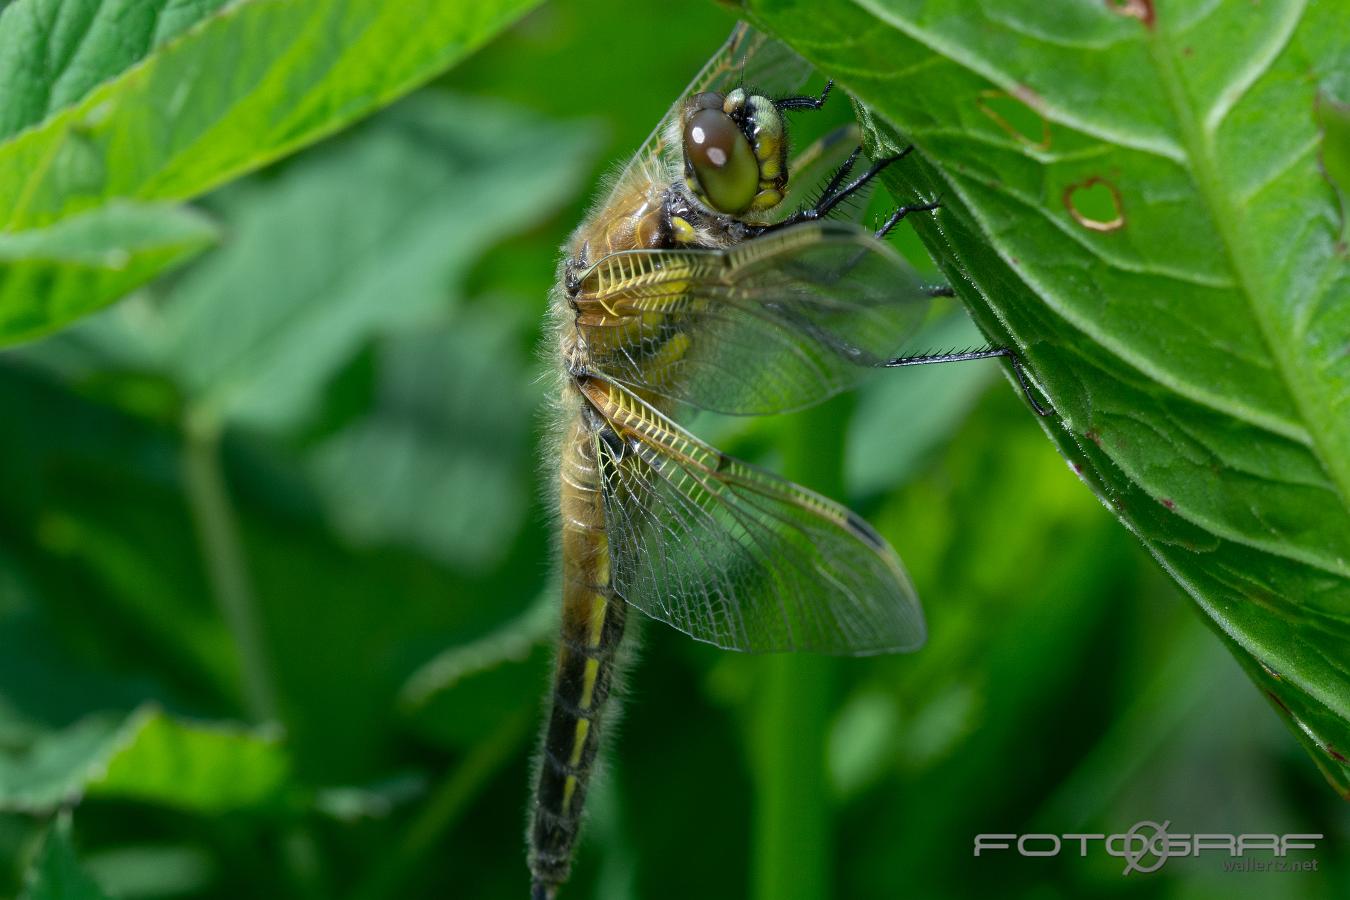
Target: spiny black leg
[
  {"x": 830, "y": 199},
  {"x": 788, "y": 103},
  {"x": 843, "y": 172},
  {"x": 903, "y": 211},
  {"x": 975, "y": 354},
  {"x": 939, "y": 290}
]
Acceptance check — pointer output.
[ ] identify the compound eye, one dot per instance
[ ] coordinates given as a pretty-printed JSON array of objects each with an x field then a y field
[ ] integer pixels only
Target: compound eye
[
  {"x": 708, "y": 100},
  {"x": 722, "y": 160}
]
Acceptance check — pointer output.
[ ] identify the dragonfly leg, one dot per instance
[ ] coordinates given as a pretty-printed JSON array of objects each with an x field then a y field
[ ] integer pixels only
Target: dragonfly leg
[
  {"x": 841, "y": 173},
  {"x": 895, "y": 217},
  {"x": 988, "y": 353},
  {"x": 833, "y": 194},
  {"x": 787, "y": 103}
]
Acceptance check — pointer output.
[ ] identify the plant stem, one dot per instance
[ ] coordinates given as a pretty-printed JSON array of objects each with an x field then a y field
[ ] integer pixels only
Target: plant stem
[
  {"x": 793, "y": 839},
  {"x": 218, "y": 531},
  {"x": 444, "y": 807}
]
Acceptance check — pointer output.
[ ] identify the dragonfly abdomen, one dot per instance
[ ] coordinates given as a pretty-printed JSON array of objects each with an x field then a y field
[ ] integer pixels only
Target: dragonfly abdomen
[{"x": 593, "y": 619}]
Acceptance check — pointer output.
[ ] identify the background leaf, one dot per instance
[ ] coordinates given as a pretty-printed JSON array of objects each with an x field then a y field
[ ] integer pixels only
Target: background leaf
[
  {"x": 1190, "y": 326},
  {"x": 57, "y": 873},
  {"x": 52, "y": 276},
  {"x": 118, "y": 110},
  {"x": 150, "y": 758}
]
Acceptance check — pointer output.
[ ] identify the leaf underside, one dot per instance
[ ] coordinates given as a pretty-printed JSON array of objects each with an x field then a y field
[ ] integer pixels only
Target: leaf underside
[{"x": 1133, "y": 198}]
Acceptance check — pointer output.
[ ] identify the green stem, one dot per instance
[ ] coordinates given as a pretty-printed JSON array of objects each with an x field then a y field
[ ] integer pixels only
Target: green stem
[
  {"x": 443, "y": 808},
  {"x": 793, "y": 837},
  {"x": 218, "y": 531}
]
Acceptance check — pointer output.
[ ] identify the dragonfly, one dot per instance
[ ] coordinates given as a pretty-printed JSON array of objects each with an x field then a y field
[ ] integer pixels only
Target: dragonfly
[{"x": 701, "y": 280}]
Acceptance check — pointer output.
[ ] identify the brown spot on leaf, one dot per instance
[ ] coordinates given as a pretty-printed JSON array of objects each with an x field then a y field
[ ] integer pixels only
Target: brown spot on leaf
[
  {"x": 1280, "y": 703},
  {"x": 1134, "y": 9},
  {"x": 1336, "y": 754},
  {"x": 1093, "y": 436},
  {"x": 1095, "y": 204},
  {"x": 1168, "y": 503},
  {"x": 1017, "y": 114}
]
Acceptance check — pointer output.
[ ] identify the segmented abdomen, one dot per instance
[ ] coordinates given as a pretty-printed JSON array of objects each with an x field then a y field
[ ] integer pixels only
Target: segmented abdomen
[{"x": 592, "y": 628}]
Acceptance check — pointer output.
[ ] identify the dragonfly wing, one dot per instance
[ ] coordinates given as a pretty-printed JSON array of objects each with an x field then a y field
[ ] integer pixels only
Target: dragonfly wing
[
  {"x": 773, "y": 324},
  {"x": 736, "y": 556}
]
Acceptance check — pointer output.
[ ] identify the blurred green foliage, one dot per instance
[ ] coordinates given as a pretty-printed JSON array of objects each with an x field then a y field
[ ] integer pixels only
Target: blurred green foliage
[{"x": 275, "y": 571}]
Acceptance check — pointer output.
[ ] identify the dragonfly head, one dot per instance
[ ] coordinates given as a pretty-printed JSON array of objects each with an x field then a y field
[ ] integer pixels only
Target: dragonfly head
[{"x": 735, "y": 151}]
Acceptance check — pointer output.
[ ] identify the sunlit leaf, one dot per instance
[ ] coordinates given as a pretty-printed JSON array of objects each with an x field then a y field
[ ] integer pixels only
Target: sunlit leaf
[
  {"x": 368, "y": 237},
  {"x": 151, "y": 758},
  {"x": 120, "y": 100},
  {"x": 54, "y": 275},
  {"x": 203, "y": 767},
  {"x": 172, "y": 127},
  {"x": 53, "y": 52}
]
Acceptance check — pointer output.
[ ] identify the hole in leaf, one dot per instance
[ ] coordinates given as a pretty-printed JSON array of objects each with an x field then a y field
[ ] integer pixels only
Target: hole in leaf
[
  {"x": 1017, "y": 117},
  {"x": 1134, "y": 9},
  {"x": 1095, "y": 204}
]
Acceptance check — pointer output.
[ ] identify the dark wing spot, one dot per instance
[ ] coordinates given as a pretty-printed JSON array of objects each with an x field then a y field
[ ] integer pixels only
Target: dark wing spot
[{"x": 865, "y": 531}]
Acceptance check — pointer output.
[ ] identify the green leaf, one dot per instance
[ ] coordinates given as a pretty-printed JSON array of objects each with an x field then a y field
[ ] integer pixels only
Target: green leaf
[
  {"x": 200, "y": 767},
  {"x": 53, "y": 52},
  {"x": 433, "y": 466},
  {"x": 56, "y": 874},
  {"x": 55, "y": 769},
  {"x": 1333, "y": 116},
  {"x": 171, "y": 127},
  {"x": 150, "y": 758},
  {"x": 1140, "y": 205},
  {"x": 54, "y": 275},
  {"x": 368, "y": 237}
]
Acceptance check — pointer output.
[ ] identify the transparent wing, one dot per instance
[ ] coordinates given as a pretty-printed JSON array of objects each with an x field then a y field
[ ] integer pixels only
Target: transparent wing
[
  {"x": 773, "y": 324},
  {"x": 748, "y": 57},
  {"x": 737, "y": 557}
]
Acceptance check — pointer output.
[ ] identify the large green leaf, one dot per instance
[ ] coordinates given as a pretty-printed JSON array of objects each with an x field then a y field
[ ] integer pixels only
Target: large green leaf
[
  {"x": 53, "y": 52},
  {"x": 370, "y": 236},
  {"x": 51, "y": 276},
  {"x": 1138, "y": 201},
  {"x": 121, "y": 99},
  {"x": 172, "y": 127}
]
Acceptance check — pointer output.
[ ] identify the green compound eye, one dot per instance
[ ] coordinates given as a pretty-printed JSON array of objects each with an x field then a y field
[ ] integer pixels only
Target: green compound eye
[{"x": 722, "y": 160}]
